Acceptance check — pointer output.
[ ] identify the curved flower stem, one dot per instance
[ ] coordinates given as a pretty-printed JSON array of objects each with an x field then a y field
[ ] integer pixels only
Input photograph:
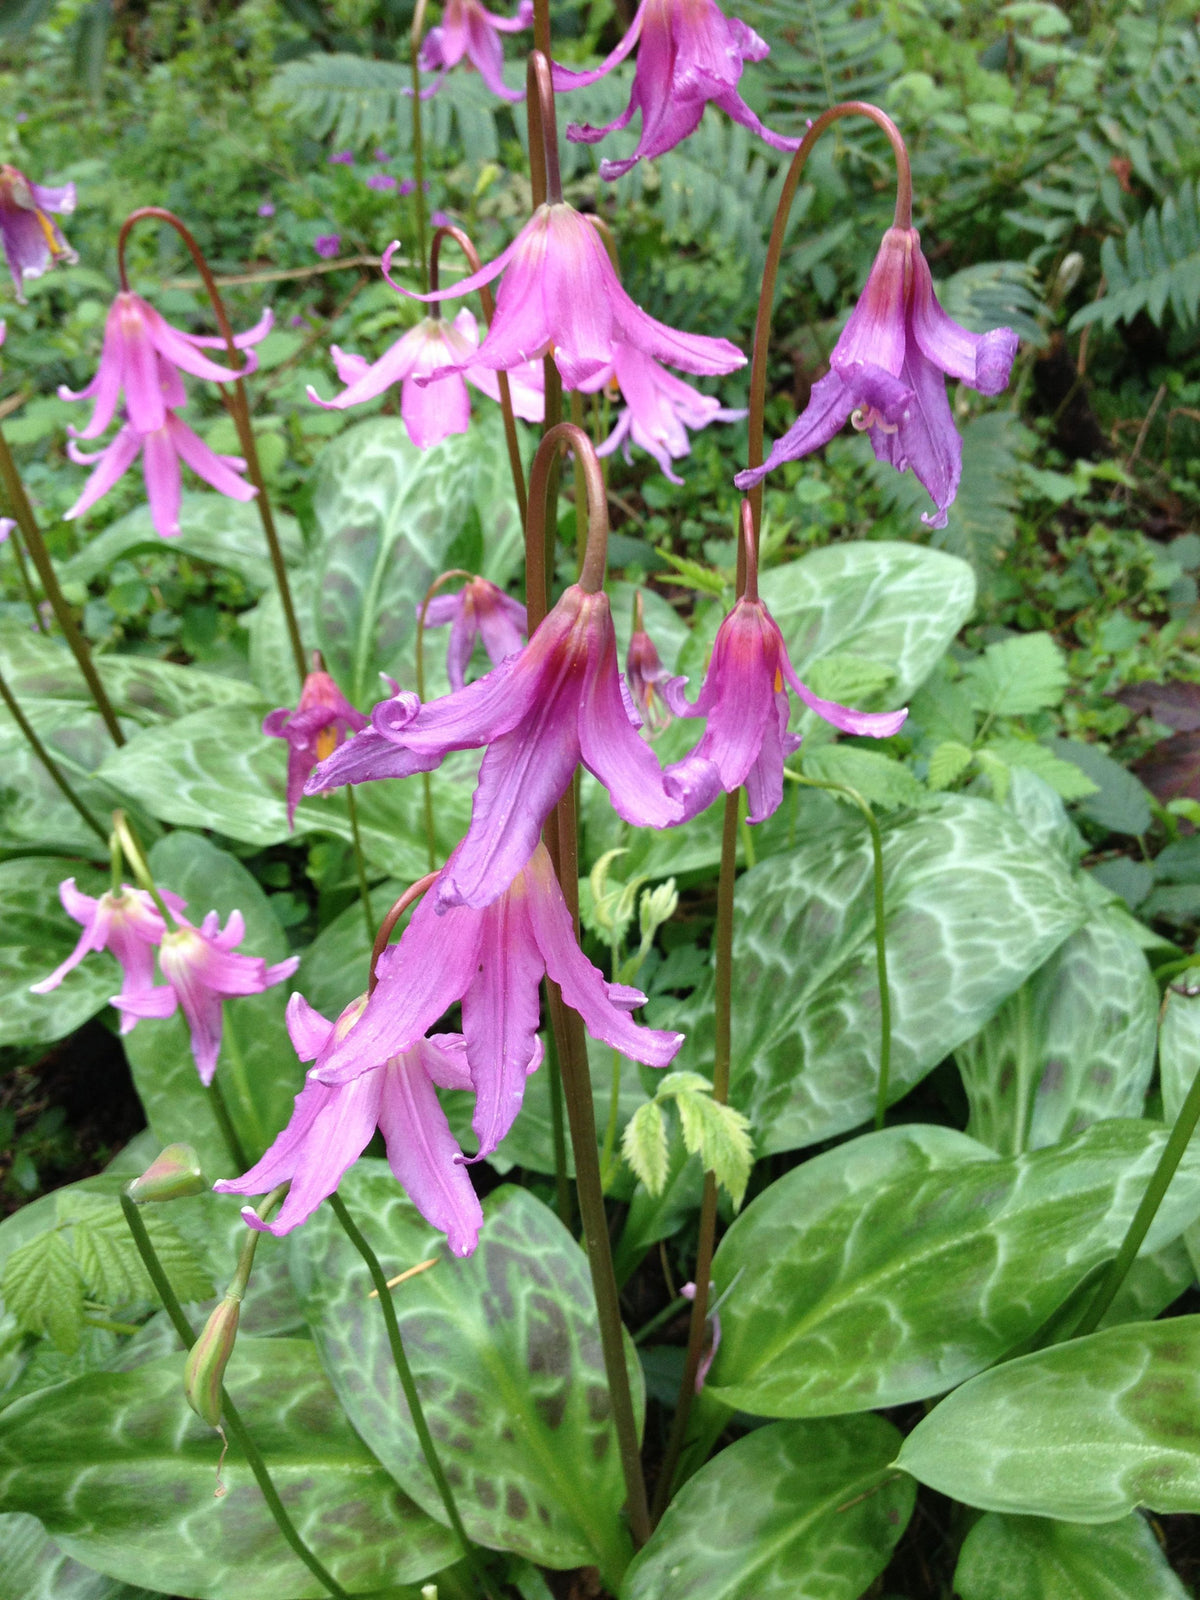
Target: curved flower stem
[
  {"x": 413, "y": 892},
  {"x": 23, "y": 513},
  {"x": 1135, "y": 1234},
  {"x": 239, "y": 410},
  {"x": 408, "y": 1384},
  {"x": 418, "y": 140},
  {"x": 488, "y": 303},
  {"x": 564, "y": 435},
  {"x": 233, "y": 1419},
  {"x": 47, "y": 760},
  {"x": 136, "y": 858},
  {"x": 541, "y": 26},
  {"x": 762, "y": 324},
  {"x": 546, "y": 182},
  {"x": 26, "y": 582},
  {"x": 419, "y": 646}
]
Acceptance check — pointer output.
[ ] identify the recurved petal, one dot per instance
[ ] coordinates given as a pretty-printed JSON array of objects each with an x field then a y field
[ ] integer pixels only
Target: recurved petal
[
  {"x": 424, "y": 1155},
  {"x": 829, "y": 406},
  {"x": 112, "y": 465},
  {"x": 205, "y": 463},
  {"x": 611, "y": 748},
  {"x": 307, "y": 1029},
  {"x": 982, "y": 360},
  {"x": 369, "y": 755},
  {"x": 501, "y": 1011}
]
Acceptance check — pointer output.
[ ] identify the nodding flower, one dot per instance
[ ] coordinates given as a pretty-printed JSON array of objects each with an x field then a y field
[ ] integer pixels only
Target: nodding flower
[
  {"x": 659, "y": 409},
  {"x": 887, "y": 377},
  {"x": 480, "y": 610},
  {"x": 125, "y": 922},
  {"x": 31, "y": 239},
  {"x": 469, "y": 29},
  {"x": 322, "y": 721},
  {"x": 645, "y": 674}
]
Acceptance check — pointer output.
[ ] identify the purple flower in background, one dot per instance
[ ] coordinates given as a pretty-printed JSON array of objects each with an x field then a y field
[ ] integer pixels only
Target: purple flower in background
[
  {"x": 493, "y": 961},
  {"x": 886, "y": 376},
  {"x": 331, "y": 1126},
  {"x": 409, "y": 186},
  {"x": 659, "y": 409},
  {"x": 746, "y": 738},
  {"x": 267, "y": 209},
  {"x": 32, "y": 241},
  {"x": 327, "y": 245},
  {"x": 645, "y": 674},
  {"x": 442, "y": 219},
  {"x": 480, "y": 610},
  {"x": 467, "y": 29},
  {"x": 322, "y": 721},
  {"x": 202, "y": 969},
  {"x": 381, "y": 155},
  {"x": 539, "y": 713},
  {"x": 7, "y": 524},
  {"x": 691, "y": 53},
  {"x": 688, "y": 1292},
  {"x": 126, "y": 923},
  {"x": 561, "y": 294},
  {"x": 342, "y": 158},
  {"x": 381, "y": 181}
]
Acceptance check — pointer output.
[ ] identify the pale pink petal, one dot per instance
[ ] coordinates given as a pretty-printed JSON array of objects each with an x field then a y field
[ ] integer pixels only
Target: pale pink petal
[
  {"x": 307, "y": 1029},
  {"x": 206, "y": 464},
  {"x": 114, "y": 463},
  {"x": 160, "y": 467},
  {"x": 425, "y": 1156},
  {"x": 501, "y": 1012}
]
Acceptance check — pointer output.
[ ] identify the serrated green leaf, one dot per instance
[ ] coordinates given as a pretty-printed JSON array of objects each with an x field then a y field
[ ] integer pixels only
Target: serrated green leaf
[
  {"x": 1017, "y": 676},
  {"x": 997, "y": 772},
  {"x": 1064, "y": 777},
  {"x": 720, "y": 1136},
  {"x": 644, "y": 1146},
  {"x": 1038, "y": 1558},
  {"x": 948, "y": 762},
  {"x": 879, "y": 779},
  {"x": 850, "y": 680},
  {"x": 693, "y": 575},
  {"x": 43, "y": 1290},
  {"x": 1085, "y": 1431}
]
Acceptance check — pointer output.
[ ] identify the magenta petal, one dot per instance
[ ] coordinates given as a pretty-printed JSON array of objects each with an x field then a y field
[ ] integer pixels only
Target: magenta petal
[
  {"x": 105, "y": 387},
  {"x": 444, "y": 1056},
  {"x": 160, "y": 466},
  {"x": 367, "y": 756},
  {"x": 205, "y": 463},
  {"x": 307, "y": 1029},
  {"x": 113, "y": 464},
  {"x": 565, "y": 79},
  {"x": 487, "y": 55},
  {"x": 926, "y": 440},
  {"x": 984, "y": 361},
  {"x": 828, "y": 408},
  {"x": 501, "y": 1012},
  {"x": 611, "y": 749},
  {"x": 425, "y": 1156},
  {"x": 736, "y": 109},
  {"x": 434, "y": 411},
  {"x": 764, "y": 781}
]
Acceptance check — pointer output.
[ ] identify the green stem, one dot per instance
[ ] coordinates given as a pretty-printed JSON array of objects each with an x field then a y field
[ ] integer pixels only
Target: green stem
[
  {"x": 360, "y": 861},
  {"x": 233, "y": 1420},
  {"x": 26, "y": 582},
  {"x": 408, "y": 1384},
  {"x": 668, "y": 1311},
  {"x": 558, "y": 1129},
  {"x": 614, "y": 1116},
  {"x": 1160, "y": 1181},
  {"x": 418, "y": 141},
  {"x": 136, "y": 857},
  {"x": 220, "y": 1111},
  {"x": 47, "y": 760},
  {"x": 40, "y": 556}
]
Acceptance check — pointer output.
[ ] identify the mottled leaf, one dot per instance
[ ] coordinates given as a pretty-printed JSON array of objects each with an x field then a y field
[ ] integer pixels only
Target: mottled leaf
[
  {"x": 1036, "y": 1558},
  {"x": 795, "y": 1508},
  {"x": 36, "y": 934},
  {"x": 895, "y": 1266},
  {"x": 1179, "y": 1062},
  {"x": 32, "y": 1567},
  {"x": 1086, "y": 1431}
]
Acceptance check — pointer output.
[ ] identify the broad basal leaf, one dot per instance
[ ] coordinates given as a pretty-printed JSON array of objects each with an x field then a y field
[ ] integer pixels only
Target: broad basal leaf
[
  {"x": 34, "y": 1568},
  {"x": 1037, "y": 1558}
]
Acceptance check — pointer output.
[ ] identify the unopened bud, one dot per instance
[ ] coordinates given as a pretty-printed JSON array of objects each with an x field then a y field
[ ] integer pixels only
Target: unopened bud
[
  {"x": 173, "y": 1175},
  {"x": 658, "y": 906},
  {"x": 1069, "y": 272},
  {"x": 204, "y": 1369}
]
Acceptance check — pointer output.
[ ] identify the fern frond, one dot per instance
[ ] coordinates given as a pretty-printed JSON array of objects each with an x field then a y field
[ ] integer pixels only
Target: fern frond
[
  {"x": 1155, "y": 265},
  {"x": 822, "y": 51}
]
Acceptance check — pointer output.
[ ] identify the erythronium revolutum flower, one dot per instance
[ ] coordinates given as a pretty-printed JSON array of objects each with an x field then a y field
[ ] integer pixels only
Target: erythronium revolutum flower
[
  {"x": 467, "y": 29},
  {"x": 659, "y": 409},
  {"x": 31, "y": 240},
  {"x": 745, "y": 738},
  {"x": 323, "y": 720},
  {"x": 886, "y": 376},
  {"x": 645, "y": 674},
  {"x": 331, "y": 1126},
  {"x": 202, "y": 969},
  {"x": 691, "y": 53},
  {"x": 539, "y": 713},
  {"x": 561, "y": 295},
  {"x": 480, "y": 610},
  {"x": 493, "y": 961},
  {"x": 431, "y": 411},
  {"x": 127, "y": 923}
]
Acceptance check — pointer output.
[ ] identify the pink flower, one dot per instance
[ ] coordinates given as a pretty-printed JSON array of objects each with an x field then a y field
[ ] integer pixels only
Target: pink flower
[
  {"x": 480, "y": 609},
  {"x": 561, "y": 294},
  {"x": 127, "y": 923},
  {"x": 691, "y": 53},
  {"x": 746, "y": 738},
  {"x": 432, "y": 410},
  {"x": 331, "y": 1127},
  {"x": 201, "y": 970},
  {"x": 540, "y": 713},
  {"x": 493, "y": 961},
  {"x": 659, "y": 409},
  {"x": 382, "y": 181},
  {"x": 327, "y": 245},
  {"x": 468, "y": 29},
  {"x": 322, "y": 721},
  {"x": 645, "y": 675},
  {"x": 342, "y": 158},
  {"x": 7, "y": 524},
  {"x": 31, "y": 241},
  {"x": 886, "y": 376},
  {"x": 688, "y": 1292}
]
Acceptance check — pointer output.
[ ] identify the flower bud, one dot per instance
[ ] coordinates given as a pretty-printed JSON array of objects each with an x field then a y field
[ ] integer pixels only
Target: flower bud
[
  {"x": 173, "y": 1175},
  {"x": 204, "y": 1369}
]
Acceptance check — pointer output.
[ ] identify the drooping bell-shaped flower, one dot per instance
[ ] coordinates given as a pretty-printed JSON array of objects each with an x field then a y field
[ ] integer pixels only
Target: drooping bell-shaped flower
[
  {"x": 493, "y": 961},
  {"x": 887, "y": 375},
  {"x": 434, "y": 410},
  {"x": 31, "y": 240},
  {"x": 646, "y": 675},
  {"x": 323, "y": 720},
  {"x": 691, "y": 53},
  {"x": 659, "y": 409},
  {"x": 202, "y": 969},
  {"x": 746, "y": 707},
  {"x": 561, "y": 295},
  {"x": 127, "y": 923},
  {"x": 540, "y": 713},
  {"x": 332, "y": 1125},
  {"x": 480, "y": 610},
  {"x": 468, "y": 29}
]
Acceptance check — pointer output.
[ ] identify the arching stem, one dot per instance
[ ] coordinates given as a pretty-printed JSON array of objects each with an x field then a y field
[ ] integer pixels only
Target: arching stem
[{"x": 386, "y": 927}]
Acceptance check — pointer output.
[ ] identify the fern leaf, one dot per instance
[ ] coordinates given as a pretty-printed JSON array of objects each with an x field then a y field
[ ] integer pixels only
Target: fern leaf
[{"x": 1155, "y": 265}]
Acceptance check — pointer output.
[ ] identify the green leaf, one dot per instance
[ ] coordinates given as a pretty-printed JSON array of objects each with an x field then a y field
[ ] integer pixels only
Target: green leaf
[
  {"x": 644, "y": 1146},
  {"x": 1035, "y": 1558},
  {"x": 505, "y": 1350},
  {"x": 108, "y": 1259},
  {"x": 796, "y": 1508},
  {"x": 719, "y": 1135},
  {"x": 900, "y": 1264},
  {"x": 228, "y": 533},
  {"x": 1086, "y": 1431},
  {"x": 1017, "y": 676},
  {"x": 34, "y": 1568},
  {"x": 1123, "y": 804},
  {"x": 43, "y": 1290},
  {"x": 850, "y": 680},
  {"x": 257, "y": 1069},
  {"x": 971, "y": 908},
  {"x": 1064, "y": 777},
  {"x": 157, "y": 1522},
  {"x": 895, "y": 605},
  {"x": 877, "y": 778},
  {"x": 948, "y": 762},
  {"x": 1074, "y": 1044},
  {"x": 1179, "y": 1062},
  {"x": 35, "y": 936}
]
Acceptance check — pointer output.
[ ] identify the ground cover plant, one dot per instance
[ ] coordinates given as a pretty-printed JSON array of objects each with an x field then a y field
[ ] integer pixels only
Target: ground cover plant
[{"x": 601, "y": 763}]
